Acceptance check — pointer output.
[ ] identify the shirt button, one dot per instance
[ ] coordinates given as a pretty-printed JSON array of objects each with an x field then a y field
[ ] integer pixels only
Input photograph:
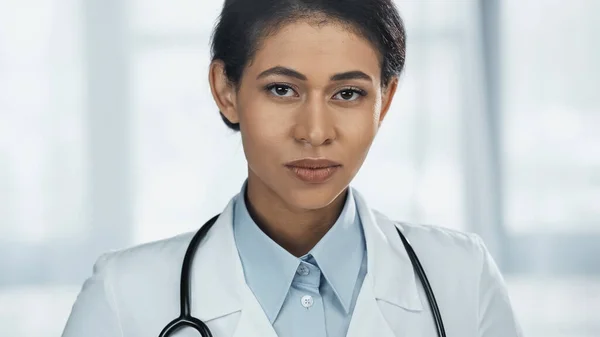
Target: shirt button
[
  {"x": 307, "y": 301},
  {"x": 303, "y": 270}
]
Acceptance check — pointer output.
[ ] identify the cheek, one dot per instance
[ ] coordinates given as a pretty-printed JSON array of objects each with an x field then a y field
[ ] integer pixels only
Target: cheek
[
  {"x": 357, "y": 138},
  {"x": 359, "y": 128},
  {"x": 260, "y": 115},
  {"x": 262, "y": 134}
]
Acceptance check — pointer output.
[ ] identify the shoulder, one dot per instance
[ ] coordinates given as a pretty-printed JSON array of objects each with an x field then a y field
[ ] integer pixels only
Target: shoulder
[
  {"x": 462, "y": 272},
  {"x": 428, "y": 241},
  {"x": 437, "y": 244},
  {"x": 144, "y": 260},
  {"x": 431, "y": 233},
  {"x": 454, "y": 261},
  {"x": 122, "y": 281}
]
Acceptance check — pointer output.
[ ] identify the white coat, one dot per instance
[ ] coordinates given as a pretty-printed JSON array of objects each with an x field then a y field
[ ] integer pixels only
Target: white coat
[{"x": 135, "y": 292}]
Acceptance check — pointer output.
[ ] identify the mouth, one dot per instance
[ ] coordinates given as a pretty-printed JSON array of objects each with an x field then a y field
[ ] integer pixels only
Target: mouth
[{"x": 313, "y": 171}]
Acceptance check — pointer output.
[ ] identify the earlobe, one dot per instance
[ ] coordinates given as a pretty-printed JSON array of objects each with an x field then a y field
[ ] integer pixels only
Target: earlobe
[
  {"x": 223, "y": 91},
  {"x": 387, "y": 97}
]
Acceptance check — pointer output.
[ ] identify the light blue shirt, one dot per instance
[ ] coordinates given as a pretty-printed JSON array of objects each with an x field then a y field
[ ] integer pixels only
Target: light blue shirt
[{"x": 309, "y": 296}]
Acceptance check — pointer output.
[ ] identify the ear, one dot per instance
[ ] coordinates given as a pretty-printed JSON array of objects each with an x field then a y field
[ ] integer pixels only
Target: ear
[
  {"x": 223, "y": 91},
  {"x": 387, "y": 97}
]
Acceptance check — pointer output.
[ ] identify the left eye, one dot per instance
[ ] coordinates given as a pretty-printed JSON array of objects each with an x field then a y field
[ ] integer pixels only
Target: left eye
[{"x": 347, "y": 95}]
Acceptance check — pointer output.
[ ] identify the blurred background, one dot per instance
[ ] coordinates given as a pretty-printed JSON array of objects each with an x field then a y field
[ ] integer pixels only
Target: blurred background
[{"x": 109, "y": 138}]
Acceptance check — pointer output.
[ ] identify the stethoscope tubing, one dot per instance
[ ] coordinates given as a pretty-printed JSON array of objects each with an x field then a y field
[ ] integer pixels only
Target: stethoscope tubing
[{"x": 185, "y": 318}]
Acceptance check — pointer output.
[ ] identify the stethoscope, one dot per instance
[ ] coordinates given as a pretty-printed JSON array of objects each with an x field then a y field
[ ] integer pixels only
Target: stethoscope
[{"x": 185, "y": 318}]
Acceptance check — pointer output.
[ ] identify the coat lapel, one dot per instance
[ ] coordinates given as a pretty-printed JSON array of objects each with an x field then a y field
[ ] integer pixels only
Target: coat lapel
[
  {"x": 253, "y": 321},
  {"x": 217, "y": 274},
  {"x": 367, "y": 319},
  {"x": 390, "y": 279},
  {"x": 219, "y": 288}
]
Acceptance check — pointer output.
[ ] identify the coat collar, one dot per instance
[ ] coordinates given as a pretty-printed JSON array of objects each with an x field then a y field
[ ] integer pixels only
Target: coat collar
[
  {"x": 219, "y": 287},
  {"x": 388, "y": 263},
  {"x": 217, "y": 275}
]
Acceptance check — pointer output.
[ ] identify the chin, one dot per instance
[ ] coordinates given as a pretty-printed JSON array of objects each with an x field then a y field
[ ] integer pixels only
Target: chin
[{"x": 312, "y": 198}]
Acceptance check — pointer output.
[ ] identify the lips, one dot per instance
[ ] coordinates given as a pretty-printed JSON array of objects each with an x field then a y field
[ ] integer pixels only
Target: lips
[
  {"x": 310, "y": 163},
  {"x": 313, "y": 171}
]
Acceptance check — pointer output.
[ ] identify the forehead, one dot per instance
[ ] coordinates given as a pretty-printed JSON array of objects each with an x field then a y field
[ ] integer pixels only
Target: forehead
[{"x": 317, "y": 50}]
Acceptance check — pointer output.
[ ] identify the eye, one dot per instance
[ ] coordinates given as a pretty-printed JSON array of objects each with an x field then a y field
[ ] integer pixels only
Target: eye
[
  {"x": 349, "y": 94},
  {"x": 281, "y": 90}
]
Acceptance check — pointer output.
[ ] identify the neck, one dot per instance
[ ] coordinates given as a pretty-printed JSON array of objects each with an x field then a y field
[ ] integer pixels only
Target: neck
[{"x": 296, "y": 230}]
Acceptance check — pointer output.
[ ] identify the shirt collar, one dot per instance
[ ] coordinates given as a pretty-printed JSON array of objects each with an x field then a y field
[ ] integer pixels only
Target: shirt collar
[
  {"x": 339, "y": 254},
  {"x": 269, "y": 269}
]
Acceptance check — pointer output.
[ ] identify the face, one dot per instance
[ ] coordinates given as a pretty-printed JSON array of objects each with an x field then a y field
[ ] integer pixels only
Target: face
[{"x": 311, "y": 93}]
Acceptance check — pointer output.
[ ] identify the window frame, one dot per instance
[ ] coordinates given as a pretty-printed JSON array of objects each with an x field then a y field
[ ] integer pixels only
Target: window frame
[
  {"x": 563, "y": 254},
  {"x": 109, "y": 195}
]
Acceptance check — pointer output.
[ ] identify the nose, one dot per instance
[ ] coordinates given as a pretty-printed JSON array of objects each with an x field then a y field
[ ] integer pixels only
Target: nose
[{"x": 315, "y": 124}]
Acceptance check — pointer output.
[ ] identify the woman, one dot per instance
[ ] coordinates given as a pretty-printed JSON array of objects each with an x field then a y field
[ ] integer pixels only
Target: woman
[{"x": 297, "y": 252}]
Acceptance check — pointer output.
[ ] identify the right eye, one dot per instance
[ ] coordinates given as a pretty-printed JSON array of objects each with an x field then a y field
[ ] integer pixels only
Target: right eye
[{"x": 281, "y": 90}]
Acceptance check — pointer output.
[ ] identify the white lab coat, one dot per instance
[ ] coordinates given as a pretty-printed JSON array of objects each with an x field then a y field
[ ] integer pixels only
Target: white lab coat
[{"x": 135, "y": 292}]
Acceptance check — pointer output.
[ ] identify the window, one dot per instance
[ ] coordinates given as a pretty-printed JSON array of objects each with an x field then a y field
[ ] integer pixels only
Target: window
[
  {"x": 549, "y": 109},
  {"x": 43, "y": 167}
]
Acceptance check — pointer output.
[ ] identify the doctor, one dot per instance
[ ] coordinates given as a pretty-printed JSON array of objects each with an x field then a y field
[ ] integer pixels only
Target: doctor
[{"x": 298, "y": 252}]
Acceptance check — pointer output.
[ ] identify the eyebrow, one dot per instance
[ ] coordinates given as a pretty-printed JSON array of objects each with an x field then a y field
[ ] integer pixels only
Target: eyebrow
[{"x": 349, "y": 75}]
